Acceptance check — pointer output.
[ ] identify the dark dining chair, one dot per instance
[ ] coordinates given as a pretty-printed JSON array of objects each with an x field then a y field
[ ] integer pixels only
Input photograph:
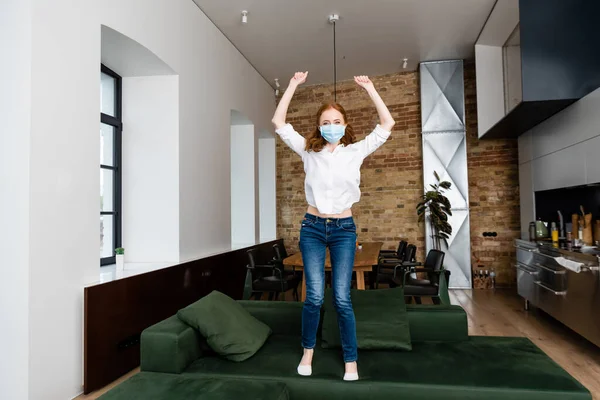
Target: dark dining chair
[
  {"x": 387, "y": 267},
  {"x": 430, "y": 287},
  {"x": 397, "y": 254},
  {"x": 270, "y": 278},
  {"x": 280, "y": 255}
]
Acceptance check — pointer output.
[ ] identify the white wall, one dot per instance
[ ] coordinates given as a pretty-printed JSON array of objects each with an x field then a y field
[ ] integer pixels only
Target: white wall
[
  {"x": 64, "y": 157},
  {"x": 267, "y": 188},
  {"x": 15, "y": 97},
  {"x": 560, "y": 152},
  {"x": 151, "y": 168},
  {"x": 227, "y": 82},
  {"x": 243, "y": 186},
  {"x": 64, "y": 190}
]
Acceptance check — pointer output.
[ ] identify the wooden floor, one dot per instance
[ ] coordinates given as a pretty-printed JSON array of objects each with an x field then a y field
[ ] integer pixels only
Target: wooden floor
[{"x": 501, "y": 313}]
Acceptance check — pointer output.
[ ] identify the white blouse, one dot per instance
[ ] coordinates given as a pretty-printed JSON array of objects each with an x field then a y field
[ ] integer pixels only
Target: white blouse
[{"x": 333, "y": 178}]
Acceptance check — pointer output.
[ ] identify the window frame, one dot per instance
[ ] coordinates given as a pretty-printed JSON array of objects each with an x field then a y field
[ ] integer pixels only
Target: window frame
[{"x": 117, "y": 123}]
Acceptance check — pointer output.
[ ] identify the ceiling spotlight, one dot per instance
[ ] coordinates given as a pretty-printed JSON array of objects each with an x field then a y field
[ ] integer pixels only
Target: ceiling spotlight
[
  {"x": 405, "y": 63},
  {"x": 244, "y": 17}
]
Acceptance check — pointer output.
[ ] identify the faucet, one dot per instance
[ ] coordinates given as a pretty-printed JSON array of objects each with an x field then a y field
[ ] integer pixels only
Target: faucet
[{"x": 561, "y": 225}]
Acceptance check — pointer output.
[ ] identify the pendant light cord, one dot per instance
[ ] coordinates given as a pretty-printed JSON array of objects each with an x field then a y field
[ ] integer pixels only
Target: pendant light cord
[{"x": 334, "y": 67}]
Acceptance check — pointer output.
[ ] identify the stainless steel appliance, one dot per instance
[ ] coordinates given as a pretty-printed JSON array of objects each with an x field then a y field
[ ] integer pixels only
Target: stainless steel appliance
[{"x": 570, "y": 297}]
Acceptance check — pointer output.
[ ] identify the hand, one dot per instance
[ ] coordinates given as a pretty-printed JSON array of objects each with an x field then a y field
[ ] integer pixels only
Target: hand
[
  {"x": 364, "y": 81},
  {"x": 299, "y": 78}
]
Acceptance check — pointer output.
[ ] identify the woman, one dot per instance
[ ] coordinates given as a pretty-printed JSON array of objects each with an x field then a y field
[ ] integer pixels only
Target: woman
[{"x": 332, "y": 163}]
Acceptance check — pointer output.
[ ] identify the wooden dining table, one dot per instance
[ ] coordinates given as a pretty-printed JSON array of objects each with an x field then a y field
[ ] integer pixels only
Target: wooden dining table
[{"x": 364, "y": 260}]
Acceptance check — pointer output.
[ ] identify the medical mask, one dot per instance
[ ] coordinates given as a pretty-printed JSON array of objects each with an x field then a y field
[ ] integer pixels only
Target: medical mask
[{"x": 332, "y": 133}]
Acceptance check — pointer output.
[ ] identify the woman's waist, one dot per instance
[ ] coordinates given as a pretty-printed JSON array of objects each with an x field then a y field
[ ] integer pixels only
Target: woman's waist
[{"x": 314, "y": 214}]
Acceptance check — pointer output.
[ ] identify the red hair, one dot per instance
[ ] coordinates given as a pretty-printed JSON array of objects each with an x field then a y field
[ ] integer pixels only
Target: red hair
[{"x": 315, "y": 141}]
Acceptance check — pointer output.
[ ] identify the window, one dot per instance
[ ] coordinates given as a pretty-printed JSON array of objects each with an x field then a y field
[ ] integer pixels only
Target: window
[{"x": 111, "y": 128}]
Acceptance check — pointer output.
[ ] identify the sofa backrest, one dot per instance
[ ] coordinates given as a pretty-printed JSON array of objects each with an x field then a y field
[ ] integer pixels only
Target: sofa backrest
[{"x": 428, "y": 323}]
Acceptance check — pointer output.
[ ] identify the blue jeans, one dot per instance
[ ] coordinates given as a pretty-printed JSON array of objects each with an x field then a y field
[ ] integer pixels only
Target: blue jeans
[{"x": 339, "y": 234}]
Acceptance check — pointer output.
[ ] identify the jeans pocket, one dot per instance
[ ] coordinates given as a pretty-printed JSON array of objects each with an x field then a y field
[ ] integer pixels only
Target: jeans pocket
[
  {"x": 307, "y": 222},
  {"x": 348, "y": 226}
]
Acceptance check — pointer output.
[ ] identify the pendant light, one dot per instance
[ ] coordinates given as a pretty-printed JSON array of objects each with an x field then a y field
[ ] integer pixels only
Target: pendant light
[{"x": 333, "y": 18}]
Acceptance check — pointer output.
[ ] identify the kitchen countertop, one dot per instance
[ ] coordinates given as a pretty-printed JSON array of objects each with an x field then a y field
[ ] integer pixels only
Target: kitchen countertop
[{"x": 589, "y": 256}]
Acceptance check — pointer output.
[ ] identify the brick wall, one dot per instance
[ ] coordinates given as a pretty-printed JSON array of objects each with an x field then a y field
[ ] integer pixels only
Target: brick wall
[
  {"x": 493, "y": 192},
  {"x": 392, "y": 177}
]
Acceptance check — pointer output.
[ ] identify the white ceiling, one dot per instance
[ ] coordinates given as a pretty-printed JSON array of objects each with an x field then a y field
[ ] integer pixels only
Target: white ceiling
[{"x": 373, "y": 36}]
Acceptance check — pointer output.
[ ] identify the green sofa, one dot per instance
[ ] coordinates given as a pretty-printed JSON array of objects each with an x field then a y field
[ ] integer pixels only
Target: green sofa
[{"x": 445, "y": 363}]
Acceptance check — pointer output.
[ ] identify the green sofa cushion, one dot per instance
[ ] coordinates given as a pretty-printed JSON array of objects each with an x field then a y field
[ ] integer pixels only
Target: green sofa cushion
[
  {"x": 156, "y": 386},
  {"x": 381, "y": 320},
  {"x": 437, "y": 323},
  {"x": 491, "y": 368},
  {"x": 170, "y": 346},
  {"x": 229, "y": 329}
]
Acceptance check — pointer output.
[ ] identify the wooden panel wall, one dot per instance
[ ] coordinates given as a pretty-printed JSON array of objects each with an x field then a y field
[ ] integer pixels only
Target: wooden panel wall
[{"x": 117, "y": 312}]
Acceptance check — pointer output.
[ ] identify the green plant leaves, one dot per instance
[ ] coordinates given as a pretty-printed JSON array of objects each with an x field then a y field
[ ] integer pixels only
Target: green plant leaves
[
  {"x": 445, "y": 185},
  {"x": 438, "y": 208}
]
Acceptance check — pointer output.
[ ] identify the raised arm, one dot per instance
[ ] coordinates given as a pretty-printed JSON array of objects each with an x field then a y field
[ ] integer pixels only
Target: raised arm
[
  {"x": 281, "y": 111},
  {"x": 381, "y": 132},
  {"x": 385, "y": 118},
  {"x": 287, "y": 133}
]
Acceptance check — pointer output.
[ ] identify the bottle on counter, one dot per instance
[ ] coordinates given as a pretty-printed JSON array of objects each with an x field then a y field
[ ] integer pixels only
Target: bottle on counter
[
  {"x": 532, "y": 231},
  {"x": 554, "y": 234}
]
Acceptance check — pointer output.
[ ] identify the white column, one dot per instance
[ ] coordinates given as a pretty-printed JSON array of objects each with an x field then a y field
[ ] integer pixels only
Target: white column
[
  {"x": 15, "y": 114},
  {"x": 243, "y": 186},
  {"x": 267, "y": 188}
]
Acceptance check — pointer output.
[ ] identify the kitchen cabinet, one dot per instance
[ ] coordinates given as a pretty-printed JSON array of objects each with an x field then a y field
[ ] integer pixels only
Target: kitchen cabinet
[
  {"x": 570, "y": 297},
  {"x": 592, "y": 160},
  {"x": 511, "y": 63},
  {"x": 564, "y": 168},
  {"x": 533, "y": 59},
  {"x": 525, "y": 148},
  {"x": 527, "y": 200}
]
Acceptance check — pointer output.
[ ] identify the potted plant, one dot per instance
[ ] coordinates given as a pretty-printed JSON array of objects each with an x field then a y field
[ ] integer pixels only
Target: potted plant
[
  {"x": 436, "y": 207},
  {"x": 120, "y": 258}
]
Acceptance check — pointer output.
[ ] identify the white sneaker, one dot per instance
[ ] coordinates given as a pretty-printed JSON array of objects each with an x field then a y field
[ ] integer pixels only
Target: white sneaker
[
  {"x": 351, "y": 376},
  {"x": 305, "y": 370}
]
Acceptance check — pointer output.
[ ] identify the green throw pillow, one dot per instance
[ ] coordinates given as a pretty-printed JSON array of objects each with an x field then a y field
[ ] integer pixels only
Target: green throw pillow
[
  {"x": 229, "y": 329},
  {"x": 381, "y": 320}
]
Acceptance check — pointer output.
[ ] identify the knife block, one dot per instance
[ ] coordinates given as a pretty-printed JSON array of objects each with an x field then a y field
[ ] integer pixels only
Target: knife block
[
  {"x": 588, "y": 238},
  {"x": 575, "y": 226}
]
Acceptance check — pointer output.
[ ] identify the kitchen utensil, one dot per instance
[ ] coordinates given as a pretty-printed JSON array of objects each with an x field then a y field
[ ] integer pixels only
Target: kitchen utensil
[
  {"x": 531, "y": 231},
  {"x": 561, "y": 225},
  {"x": 541, "y": 230},
  {"x": 575, "y": 225}
]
